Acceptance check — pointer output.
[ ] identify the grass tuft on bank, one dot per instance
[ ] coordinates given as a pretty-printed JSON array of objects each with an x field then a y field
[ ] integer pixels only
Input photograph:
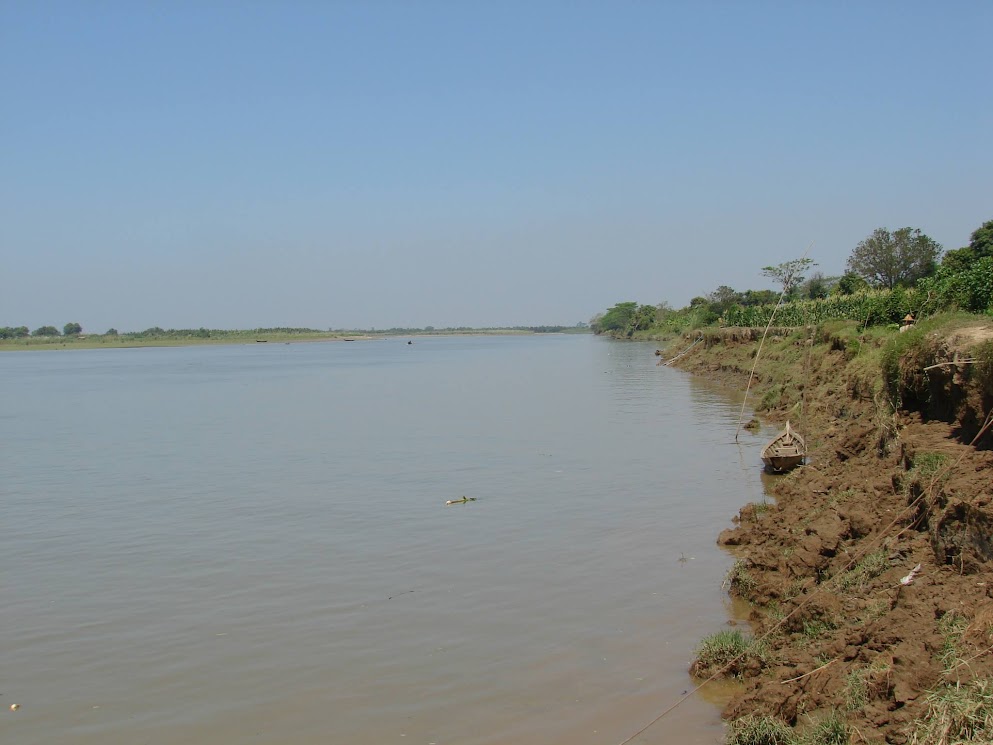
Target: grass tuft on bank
[
  {"x": 728, "y": 653},
  {"x": 957, "y": 713}
]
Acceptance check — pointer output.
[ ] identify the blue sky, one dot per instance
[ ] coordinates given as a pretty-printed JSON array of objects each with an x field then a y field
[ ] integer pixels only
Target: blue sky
[{"x": 377, "y": 164}]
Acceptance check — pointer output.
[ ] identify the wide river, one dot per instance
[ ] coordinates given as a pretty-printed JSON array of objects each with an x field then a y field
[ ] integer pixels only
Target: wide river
[{"x": 250, "y": 544}]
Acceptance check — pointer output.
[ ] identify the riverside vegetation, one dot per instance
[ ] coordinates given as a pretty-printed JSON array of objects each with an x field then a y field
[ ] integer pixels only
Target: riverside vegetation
[
  {"x": 889, "y": 275},
  {"x": 869, "y": 576}
]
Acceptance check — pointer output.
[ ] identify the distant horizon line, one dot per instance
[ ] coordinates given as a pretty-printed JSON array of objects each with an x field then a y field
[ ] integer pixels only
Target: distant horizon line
[{"x": 290, "y": 329}]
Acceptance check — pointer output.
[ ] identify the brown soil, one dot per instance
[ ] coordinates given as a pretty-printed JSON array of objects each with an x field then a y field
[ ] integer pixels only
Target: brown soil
[{"x": 884, "y": 491}]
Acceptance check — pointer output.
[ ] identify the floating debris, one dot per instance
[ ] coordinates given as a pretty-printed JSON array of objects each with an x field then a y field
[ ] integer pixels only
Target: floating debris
[
  {"x": 15, "y": 707},
  {"x": 463, "y": 500}
]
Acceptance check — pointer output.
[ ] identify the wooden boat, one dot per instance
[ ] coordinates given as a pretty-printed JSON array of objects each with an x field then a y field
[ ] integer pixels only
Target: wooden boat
[{"x": 784, "y": 451}]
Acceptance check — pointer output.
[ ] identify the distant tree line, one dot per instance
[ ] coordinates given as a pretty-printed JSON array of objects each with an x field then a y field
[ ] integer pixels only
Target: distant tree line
[
  {"x": 21, "y": 332},
  {"x": 411, "y": 331},
  {"x": 888, "y": 274},
  {"x": 205, "y": 333},
  {"x": 156, "y": 332}
]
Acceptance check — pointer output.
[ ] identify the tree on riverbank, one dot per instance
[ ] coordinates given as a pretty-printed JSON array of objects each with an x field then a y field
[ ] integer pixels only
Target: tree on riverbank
[
  {"x": 896, "y": 259},
  {"x": 616, "y": 318},
  {"x": 790, "y": 274},
  {"x": 904, "y": 272},
  {"x": 981, "y": 240}
]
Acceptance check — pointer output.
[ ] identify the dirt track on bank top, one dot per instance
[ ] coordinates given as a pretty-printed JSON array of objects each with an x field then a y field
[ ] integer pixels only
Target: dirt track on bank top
[{"x": 885, "y": 490}]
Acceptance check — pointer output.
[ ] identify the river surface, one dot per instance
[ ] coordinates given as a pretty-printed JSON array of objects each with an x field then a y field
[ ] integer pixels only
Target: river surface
[{"x": 250, "y": 544}]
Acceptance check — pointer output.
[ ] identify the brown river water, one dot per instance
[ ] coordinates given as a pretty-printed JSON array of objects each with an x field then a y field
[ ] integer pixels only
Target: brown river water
[{"x": 250, "y": 544}]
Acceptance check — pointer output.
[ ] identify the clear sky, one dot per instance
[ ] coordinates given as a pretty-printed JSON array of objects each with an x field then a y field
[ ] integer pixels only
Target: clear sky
[{"x": 411, "y": 163}]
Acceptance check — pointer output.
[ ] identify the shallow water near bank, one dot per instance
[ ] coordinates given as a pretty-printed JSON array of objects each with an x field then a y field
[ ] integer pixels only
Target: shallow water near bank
[{"x": 251, "y": 543}]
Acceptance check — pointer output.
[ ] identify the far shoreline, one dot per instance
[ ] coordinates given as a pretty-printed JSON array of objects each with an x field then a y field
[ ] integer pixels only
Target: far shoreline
[{"x": 56, "y": 343}]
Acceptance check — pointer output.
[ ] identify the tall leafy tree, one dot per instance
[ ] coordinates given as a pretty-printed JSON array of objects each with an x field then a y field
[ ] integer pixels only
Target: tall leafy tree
[
  {"x": 45, "y": 331},
  {"x": 896, "y": 259},
  {"x": 757, "y": 297},
  {"x": 72, "y": 329},
  {"x": 981, "y": 240},
  {"x": 644, "y": 317},
  {"x": 789, "y": 274},
  {"x": 958, "y": 259},
  {"x": 850, "y": 283},
  {"x": 818, "y": 286},
  {"x": 722, "y": 298},
  {"x": 616, "y": 318}
]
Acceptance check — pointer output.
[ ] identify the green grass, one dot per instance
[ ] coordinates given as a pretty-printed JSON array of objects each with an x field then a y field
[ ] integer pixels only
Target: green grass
[
  {"x": 727, "y": 651},
  {"x": 753, "y": 730},
  {"x": 856, "y": 689},
  {"x": 873, "y": 610},
  {"x": 816, "y": 627},
  {"x": 928, "y": 464},
  {"x": 739, "y": 580},
  {"x": 795, "y": 588},
  {"x": 766, "y": 730},
  {"x": 951, "y": 626},
  {"x": 927, "y": 470},
  {"x": 864, "y": 683},
  {"x": 831, "y": 730},
  {"x": 870, "y": 567},
  {"x": 956, "y": 714},
  {"x": 776, "y": 612},
  {"x": 843, "y": 496},
  {"x": 813, "y": 628}
]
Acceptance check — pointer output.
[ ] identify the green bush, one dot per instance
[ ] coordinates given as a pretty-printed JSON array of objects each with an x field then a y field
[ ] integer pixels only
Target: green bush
[{"x": 969, "y": 289}]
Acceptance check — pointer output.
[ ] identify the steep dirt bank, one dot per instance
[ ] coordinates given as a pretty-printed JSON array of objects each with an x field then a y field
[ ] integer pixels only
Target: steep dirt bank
[{"x": 896, "y": 478}]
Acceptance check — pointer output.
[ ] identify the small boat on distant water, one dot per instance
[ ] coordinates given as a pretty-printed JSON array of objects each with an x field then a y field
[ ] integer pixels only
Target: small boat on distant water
[{"x": 785, "y": 451}]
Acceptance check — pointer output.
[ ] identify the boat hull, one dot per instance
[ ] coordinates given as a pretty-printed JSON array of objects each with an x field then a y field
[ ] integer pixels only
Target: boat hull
[
  {"x": 782, "y": 463},
  {"x": 785, "y": 451}
]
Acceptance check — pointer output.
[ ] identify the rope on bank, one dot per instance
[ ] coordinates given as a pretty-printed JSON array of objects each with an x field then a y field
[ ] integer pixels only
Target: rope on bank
[
  {"x": 806, "y": 381},
  {"x": 669, "y": 362},
  {"x": 871, "y": 545},
  {"x": 967, "y": 361},
  {"x": 807, "y": 675}
]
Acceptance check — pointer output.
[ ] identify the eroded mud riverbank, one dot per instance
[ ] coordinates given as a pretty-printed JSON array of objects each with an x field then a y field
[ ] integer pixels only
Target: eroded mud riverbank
[{"x": 869, "y": 576}]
